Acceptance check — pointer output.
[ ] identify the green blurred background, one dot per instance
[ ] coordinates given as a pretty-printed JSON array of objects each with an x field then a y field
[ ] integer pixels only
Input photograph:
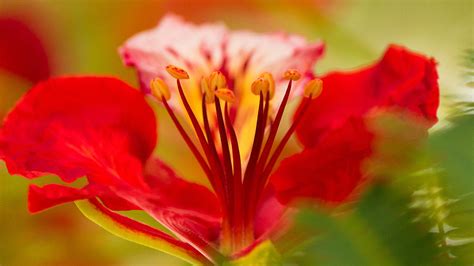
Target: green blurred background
[{"x": 82, "y": 37}]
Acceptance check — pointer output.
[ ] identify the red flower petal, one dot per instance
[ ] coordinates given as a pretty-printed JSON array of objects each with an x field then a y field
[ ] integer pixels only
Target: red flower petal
[
  {"x": 84, "y": 126},
  {"x": 103, "y": 129},
  {"x": 21, "y": 51},
  {"x": 330, "y": 171},
  {"x": 190, "y": 210},
  {"x": 401, "y": 78},
  {"x": 166, "y": 183}
]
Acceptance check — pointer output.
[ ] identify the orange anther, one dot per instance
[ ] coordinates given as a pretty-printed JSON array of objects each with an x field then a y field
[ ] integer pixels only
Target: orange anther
[
  {"x": 177, "y": 72},
  {"x": 260, "y": 85},
  {"x": 292, "y": 74},
  {"x": 313, "y": 88}
]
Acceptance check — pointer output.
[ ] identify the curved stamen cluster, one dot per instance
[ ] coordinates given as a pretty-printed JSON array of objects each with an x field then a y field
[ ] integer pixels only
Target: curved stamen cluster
[{"x": 238, "y": 191}]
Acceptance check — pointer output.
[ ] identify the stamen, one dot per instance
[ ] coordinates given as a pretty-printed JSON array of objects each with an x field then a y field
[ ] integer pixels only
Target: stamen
[
  {"x": 292, "y": 74},
  {"x": 313, "y": 88},
  {"x": 238, "y": 191},
  {"x": 191, "y": 115},
  {"x": 251, "y": 176},
  {"x": 214, "y": 159},
  {"x": 176, "y": 72},
  {"x": 239, "y": 230},
  {"x": 160, "y": 92},
  {"x": 274, "y": 128},
  {"x": 188, "y": 140},
  {"x": 235, "y": 147},
  {"x": 257, "y": 142},
  {"x": 228, "y": 180},
  {"x": 253, "y": 184},
  {"x": 197, "y": 129},
  {"x": 226, "y": 95},
  {"x": 225, "y": 147},
  {"x": 159, "y": 89}
]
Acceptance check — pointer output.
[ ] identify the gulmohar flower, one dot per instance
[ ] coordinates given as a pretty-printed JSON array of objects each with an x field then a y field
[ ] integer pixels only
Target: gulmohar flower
[{"x": 226, "y": 93}]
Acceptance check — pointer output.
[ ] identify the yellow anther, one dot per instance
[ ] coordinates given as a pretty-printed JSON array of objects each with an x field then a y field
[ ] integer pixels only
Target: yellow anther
[
  {"x": 159, "y": 89},
  {"x": 260, "y": 85},
  {"x": 313, "y": 88},
  {"x": 217, "y": 80},
  {"x": 225, "y": 95},
  {"x": 206, "y": 90},
  {"x": 292, "y": 74},
  {"x": 177, "y": 72},
  {"x": 271, "y": 83}
]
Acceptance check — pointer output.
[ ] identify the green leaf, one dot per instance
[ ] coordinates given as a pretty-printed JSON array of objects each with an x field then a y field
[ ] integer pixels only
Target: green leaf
[
  {"x": 380, "y": 231},
  {"x": 453, "y": 150},
  {"x": 464, "y": 252}
]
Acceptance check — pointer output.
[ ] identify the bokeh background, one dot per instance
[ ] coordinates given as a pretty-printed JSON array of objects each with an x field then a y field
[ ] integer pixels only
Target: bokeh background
[{"x": 82, "y": 37}]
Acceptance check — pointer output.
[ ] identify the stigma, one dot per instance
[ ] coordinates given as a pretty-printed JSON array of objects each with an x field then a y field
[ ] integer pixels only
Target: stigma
[{"x": 238, "y": 182}]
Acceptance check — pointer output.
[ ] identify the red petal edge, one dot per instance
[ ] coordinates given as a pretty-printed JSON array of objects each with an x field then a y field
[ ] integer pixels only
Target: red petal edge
[
  {"x": 400, "y": 79},
  {"x": 41, "y": 198}
]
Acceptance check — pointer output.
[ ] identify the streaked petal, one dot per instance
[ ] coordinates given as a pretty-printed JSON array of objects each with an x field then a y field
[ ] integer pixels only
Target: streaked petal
[
  {"x": 240, "y": 55},
  {"x": 198, "y": 49},
  {"x": 190, "y": 210}
]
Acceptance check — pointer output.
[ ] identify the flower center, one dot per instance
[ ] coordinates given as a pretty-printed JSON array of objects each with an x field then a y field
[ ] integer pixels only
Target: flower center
[{"x": 239, "y": 189}]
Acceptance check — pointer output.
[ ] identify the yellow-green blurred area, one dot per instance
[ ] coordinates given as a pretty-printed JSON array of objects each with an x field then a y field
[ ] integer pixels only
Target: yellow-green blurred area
[{"x": 82, "y": 37}]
